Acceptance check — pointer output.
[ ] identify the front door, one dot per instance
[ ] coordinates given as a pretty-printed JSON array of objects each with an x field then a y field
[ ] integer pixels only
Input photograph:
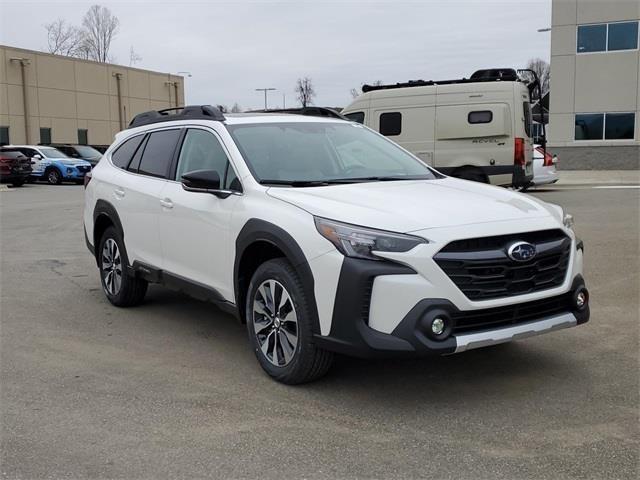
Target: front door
[{"x": 195, "y": 227}]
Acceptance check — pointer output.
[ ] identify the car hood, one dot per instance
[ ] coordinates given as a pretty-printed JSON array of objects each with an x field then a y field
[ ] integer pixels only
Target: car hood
[{"x": 406, "y": 206}]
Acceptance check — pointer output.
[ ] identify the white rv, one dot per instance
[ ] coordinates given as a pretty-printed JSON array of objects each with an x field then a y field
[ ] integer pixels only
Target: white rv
[{"x": 478, "y": 128}]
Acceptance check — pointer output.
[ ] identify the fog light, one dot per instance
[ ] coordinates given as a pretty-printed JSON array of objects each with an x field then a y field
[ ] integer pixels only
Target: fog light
[
  {"x": 437, "y": 326},
  {"x": 581, "y": 299},
  {"x": 69, "y": 170}
]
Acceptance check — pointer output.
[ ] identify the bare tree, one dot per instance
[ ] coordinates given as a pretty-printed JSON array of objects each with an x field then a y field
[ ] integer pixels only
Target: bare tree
[
  {"x": 63, "y": 39},
  {"x": 133, "y": 57},
  {"x": 236, "y": 108},
  {"x": 543, "y": 70},
  {"x": 100, "y": 27},
  {"x": 305, "y": 91}
]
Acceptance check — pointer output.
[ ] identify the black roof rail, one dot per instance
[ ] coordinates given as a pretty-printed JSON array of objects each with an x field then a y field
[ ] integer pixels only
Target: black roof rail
[
  {"x": 309, "y": 111},
  {"x": 488, "y": 75},
  {"x": 189, "y": 112}
]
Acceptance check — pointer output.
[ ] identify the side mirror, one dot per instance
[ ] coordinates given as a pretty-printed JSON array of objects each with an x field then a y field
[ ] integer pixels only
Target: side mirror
[
  {"x": 37, "y": 157},
  {"x": 204, "y": 181}
]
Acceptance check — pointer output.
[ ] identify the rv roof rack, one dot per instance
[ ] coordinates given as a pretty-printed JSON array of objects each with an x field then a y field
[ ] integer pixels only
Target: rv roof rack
[
  {"x": 189, "y": 112},
  {"x": 488, "y": 75},
  {"x": 309, "y": 111}
]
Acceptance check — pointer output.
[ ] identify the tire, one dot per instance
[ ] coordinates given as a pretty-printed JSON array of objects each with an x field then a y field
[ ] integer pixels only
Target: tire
[
  {"x": 53, "y": 176},
  {"x": 121, "y": 289},
  {"x": 286, "y": 360},
  {"x": 18, "y": 183},
  {"x": 472, "y": 174}
]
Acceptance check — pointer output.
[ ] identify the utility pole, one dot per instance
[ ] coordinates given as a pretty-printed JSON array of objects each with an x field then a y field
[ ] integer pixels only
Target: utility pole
[{"x": 265, "y": 90}]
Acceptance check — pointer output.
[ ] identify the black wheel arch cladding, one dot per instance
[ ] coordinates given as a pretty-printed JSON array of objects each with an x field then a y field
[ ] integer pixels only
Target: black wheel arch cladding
[
  {"x": 104, "y": 209},
  {"x": 256, "y": 230}
]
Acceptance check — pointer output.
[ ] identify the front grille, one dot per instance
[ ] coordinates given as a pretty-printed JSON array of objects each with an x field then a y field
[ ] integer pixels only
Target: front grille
[
  {"x": 83, "y": 168},
  {"x": 500, "y": 317},
  {"x": 482, "y": 270}
]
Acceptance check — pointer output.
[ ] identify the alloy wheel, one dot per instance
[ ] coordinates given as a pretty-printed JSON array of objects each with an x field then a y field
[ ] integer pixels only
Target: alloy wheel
[
  {"x": 111, "y": 267},
  {"x": 275, "y": 322}
]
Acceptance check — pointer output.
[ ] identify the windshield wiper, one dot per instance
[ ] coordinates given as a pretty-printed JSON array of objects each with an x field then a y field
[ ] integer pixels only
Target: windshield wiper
[
  {"x": 382, "y": 178},
  {"x": 296, "y": 183}
]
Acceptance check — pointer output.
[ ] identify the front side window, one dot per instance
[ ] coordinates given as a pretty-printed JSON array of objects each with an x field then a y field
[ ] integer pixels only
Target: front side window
[
  {"x": 322, "y": 152},
  {"x": 391, "y": 124},
  {"x": 619, "y": 126},
  {"x": 158, "y": 153},
  {"x": 201, "y": 150},
  {"x": 623, "y": 36},
  {"x": 589, "y": 126},
  {"x": 592, "y": 38},
  {"x": 356, "y": 117}
]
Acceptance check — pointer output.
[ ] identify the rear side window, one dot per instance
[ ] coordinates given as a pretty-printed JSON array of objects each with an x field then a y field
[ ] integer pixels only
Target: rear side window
[
  {"x": 356, "y": 117},
  {"x": 122, "y": 156},
  {"x": 526, "y": 110},
  {"x": 481, "y": 116},
  {"x": 158, "y": 153},
  {"x": 391, "y": 123}
]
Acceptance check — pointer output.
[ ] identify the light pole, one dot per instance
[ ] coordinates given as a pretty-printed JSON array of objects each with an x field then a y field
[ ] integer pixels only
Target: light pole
[{"x": 265, "y": 90}]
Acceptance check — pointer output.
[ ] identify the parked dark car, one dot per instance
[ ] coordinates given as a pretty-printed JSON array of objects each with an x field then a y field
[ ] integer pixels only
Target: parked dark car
[
  {"x": 83, "y": 152},
  {"x": 15, "y": 168}
]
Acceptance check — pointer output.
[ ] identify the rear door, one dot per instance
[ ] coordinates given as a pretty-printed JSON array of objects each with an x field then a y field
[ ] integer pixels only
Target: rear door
[{"x": 136, "y": 188}]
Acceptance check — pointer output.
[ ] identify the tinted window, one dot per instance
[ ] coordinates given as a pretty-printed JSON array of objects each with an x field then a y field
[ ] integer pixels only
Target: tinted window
[
  {"x": 201, "y": 150},
  {"x": 528, "y": 120},
  {"x": 134, "y": 165},
  {"x": 356, "y": 117},
  {"x": 619, "y": 126},
  {"x": 592, "y": 38},
  {"x": 391, "y": 123},
  {"x": 623, "y": 36},
  {"x": 589, "y": 126},
  {"x": 482, "y": 116},
  {"x": 4, "y": 135},
  {"x": 122, "y": 156},
  {"x": 45, "y": 136},
  {"x": 158, "y": 153}
]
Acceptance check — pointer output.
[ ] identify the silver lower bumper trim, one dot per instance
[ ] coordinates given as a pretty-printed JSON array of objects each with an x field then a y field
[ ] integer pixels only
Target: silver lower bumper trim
[{"x": 502, "y": 335}]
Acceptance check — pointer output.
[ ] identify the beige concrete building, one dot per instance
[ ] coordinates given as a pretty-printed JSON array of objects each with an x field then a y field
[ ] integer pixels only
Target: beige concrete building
[
  {"x": 594, "y": 120},
  {"x": 69, "y": 100}
]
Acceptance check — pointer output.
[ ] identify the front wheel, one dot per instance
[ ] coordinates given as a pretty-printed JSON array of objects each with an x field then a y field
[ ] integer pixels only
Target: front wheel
[
  {"x": 279, "y": 324},
  {"x": 54, "y": 177},
  {"x": 18, "y": 183}
]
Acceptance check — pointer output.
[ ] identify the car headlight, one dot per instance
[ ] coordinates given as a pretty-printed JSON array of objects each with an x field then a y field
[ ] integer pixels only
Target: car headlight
[
  {"x": 361, "y": 242},
  {"x": 568, "y": 220}
]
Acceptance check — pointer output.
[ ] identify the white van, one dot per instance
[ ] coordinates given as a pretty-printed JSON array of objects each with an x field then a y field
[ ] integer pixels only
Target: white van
[{"x": 477, "y": 128}]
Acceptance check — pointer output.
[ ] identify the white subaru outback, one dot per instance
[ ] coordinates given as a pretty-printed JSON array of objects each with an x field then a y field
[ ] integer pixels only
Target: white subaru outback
[{"x": 325, "y": 237}]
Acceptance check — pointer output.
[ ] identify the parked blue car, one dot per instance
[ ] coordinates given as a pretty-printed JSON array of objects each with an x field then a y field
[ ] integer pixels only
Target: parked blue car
[{"x": 51, "y": 165}]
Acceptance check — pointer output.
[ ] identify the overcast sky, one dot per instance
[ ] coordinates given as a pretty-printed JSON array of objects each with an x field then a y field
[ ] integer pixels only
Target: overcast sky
[{"x": 232, "y": 48}]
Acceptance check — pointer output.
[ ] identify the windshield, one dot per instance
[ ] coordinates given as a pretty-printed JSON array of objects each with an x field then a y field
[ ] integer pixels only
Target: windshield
[
  {"x": 87, "y": 152},
  {"x": 51, "y": 152},
  {"x": 323, "y": 152}
]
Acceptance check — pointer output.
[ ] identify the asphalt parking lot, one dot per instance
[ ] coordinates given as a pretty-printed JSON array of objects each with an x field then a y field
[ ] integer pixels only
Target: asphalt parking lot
[{"x": 171, "y": 388}]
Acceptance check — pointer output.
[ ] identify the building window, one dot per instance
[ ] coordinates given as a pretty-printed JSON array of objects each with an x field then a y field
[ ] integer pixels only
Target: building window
[
  {"x": 4, "y": 136},
  {"x": 605, "y": 126},
  {"x": 356, "y": 117},
  {"x": 83, "y": 136},
  {"x": 592, "y": 38},
  {"x": 623, "y": 36},
  {"x": 391, "y": 123},
  {"x": 481, "y": 116},
  {"x": 607, "y": 37},
  {"x": 45, "y": 136},
  {"x": 619, "y": 126}
]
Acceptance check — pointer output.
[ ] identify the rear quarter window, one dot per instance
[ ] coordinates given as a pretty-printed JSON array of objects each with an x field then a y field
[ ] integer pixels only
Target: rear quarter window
[
  {"x": 123, "y": 154},
  {"x": 391, "y": 124},
  {"x": 480, "y": 116}
]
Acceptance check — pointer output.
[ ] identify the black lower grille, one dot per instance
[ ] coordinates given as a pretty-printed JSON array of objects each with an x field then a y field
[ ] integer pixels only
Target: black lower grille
[
  {"x": 366, "y": 301},
  {"x": 482, "y": 270},
  {"x": 498, "y": 317},
  {"x": 83, "y": 168}
]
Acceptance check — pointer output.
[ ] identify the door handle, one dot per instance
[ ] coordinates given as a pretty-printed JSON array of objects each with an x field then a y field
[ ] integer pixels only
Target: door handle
[
  {"x": 119, "y": 192},
  {"x": 166, "y": 203}
]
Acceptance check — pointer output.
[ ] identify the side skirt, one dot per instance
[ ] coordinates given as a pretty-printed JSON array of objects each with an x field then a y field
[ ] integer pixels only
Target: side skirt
[{"x": 177, "y": 283}]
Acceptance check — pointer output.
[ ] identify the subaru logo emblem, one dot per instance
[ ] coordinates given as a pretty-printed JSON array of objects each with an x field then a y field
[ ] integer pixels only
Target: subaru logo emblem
[{"x": 521, "y": 251}]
